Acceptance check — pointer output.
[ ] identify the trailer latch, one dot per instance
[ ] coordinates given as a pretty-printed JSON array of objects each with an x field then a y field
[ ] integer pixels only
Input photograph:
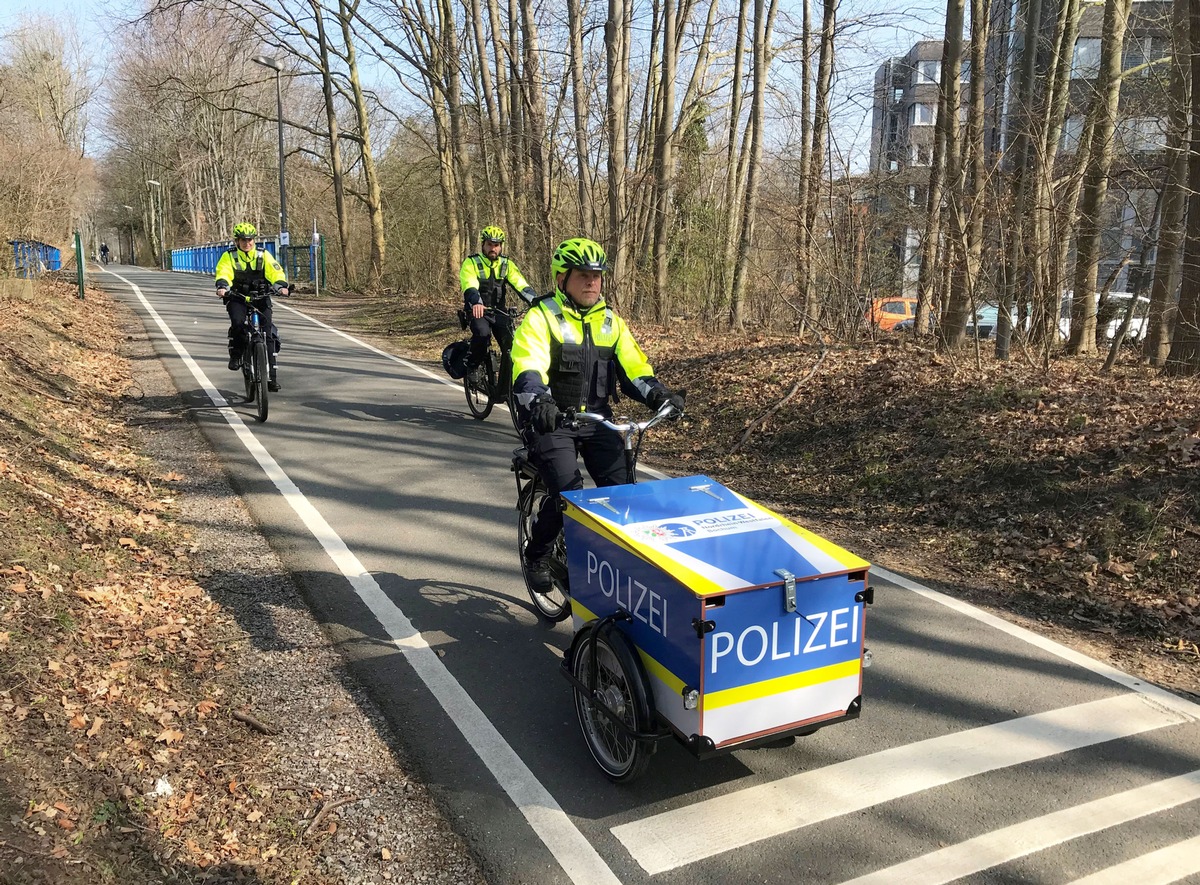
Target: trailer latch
[{"x": 789, "y": 589}]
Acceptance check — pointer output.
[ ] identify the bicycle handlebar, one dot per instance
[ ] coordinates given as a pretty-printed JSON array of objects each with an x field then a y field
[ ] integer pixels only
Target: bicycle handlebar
[{"x": 624, "y": 426}]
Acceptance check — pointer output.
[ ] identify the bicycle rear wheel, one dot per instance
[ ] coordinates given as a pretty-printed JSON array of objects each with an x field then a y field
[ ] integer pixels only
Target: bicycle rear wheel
[
  {"x": 554, "y": 606},
  {"x": 480, "y": 385},
  {"x": 261, "y": 376},
  {"x": 622, "y": 689}
]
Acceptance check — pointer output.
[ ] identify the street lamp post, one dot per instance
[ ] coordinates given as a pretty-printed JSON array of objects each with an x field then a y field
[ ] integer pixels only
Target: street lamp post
[
  {"x": 273, "y": 64},
  {"x": 162, "y": 227}
]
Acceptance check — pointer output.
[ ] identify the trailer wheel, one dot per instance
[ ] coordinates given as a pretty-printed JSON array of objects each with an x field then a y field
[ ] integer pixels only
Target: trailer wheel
[{"x": 622, "y": 688}]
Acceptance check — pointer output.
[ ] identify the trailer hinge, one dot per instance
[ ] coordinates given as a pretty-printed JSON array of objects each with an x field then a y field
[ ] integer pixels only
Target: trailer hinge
[
  {"x": 701, "y": 627},
  {"x": 866, "y": 595},
  {"x": 789, "y": 589}
]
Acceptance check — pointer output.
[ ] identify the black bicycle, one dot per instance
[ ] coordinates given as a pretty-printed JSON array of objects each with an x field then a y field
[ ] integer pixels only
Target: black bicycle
[
  {"x": 256, "y": 371},
  {"x": 491, "y": 381},
  {"x": 555, "y": 605}
]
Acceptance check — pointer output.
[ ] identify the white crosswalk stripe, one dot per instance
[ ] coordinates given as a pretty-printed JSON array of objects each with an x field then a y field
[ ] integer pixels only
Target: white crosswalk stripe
[
  {"x": 1171, "y": 864},
  {"x": 1009, "y": 843},
  {"x": 746, "y": 816}
]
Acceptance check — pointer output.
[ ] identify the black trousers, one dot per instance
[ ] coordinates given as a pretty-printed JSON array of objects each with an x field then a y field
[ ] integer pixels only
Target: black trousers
[
  {"x": 483, "y": 328},
  {"x": 556, "y": 456},
  {"x": 238, "y": 309}
]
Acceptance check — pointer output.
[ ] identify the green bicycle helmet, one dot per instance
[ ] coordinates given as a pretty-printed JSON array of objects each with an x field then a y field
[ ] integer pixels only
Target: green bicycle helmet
[
  {"x": 244, "y": 231},
  {"x": 491, "y": 234},
  {"x": 578, "y": 254}
]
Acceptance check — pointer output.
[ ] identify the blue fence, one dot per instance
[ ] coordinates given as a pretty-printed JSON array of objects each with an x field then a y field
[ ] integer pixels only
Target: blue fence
[
  {"x": 31, "y": 258},
  {"x": 300, "y": 262}
]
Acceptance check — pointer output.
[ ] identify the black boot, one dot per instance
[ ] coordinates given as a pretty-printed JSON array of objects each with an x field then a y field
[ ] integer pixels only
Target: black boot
[
  {"x": 235, "y": 361},
  {"x": 273, "y": 382}
]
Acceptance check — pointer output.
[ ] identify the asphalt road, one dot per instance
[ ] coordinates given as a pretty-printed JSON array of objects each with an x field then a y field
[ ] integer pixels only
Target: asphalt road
[{"x": 983, "y": 753}]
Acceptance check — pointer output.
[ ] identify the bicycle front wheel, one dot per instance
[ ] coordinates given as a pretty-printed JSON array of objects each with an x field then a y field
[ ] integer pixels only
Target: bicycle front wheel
[
  {"x": 479, "y": 385},
  {"x": 261, "y": 377},
  {"x": 248, "y": 372},
  {"x": 621, "y": 689},
  {"x": 555, "y": 605}
]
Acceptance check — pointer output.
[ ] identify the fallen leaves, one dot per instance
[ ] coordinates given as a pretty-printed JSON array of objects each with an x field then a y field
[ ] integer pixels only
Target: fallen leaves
[{"x": 169, "y": 736}]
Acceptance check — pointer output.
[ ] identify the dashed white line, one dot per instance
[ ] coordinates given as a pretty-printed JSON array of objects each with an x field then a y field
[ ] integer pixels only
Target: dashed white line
[
  {"x": 1010, "y": 843},
  {"x": 741, "y": 818},
  {"x": 1171, "y": 864}
]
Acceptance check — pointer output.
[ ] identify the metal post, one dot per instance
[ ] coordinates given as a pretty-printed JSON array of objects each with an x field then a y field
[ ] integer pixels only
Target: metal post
[
  {"x": 284, "y": 241},
  {"x": 80, "y": 260}
]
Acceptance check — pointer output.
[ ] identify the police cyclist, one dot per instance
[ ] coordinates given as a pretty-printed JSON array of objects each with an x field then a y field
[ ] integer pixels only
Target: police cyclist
[
  {"x": 572, "y": 353},
  {"x": 484, "y": 277},
  {"x": 252, "y": 272}
]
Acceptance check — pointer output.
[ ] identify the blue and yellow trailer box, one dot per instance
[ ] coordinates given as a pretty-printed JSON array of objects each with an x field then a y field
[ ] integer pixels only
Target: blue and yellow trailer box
[{"x": 748, "y": 626}]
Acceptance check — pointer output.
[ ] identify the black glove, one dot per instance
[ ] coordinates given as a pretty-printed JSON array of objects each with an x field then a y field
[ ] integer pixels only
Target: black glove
[
  {"x": 544, "y": 414},
  {"x": 660, "y": 396}
]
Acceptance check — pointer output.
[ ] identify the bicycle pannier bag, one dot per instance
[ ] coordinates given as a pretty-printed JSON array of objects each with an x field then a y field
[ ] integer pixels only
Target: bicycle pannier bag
[{"x": 456, "y": 357}]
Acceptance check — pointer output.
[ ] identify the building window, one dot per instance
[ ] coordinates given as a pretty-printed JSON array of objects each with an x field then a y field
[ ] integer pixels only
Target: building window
[
  {"x": 920, "y": 114},
  {"x": 1141, "y": 51},
  {"x": 920, "y": 154},
  {"x": 1072, "y": 131},
  {"x": 1086, "y": 64},
  {"x": 897, "y": 95},
  {"x": 929, "y": 72},
  {"x": 1142, "y": 134}
]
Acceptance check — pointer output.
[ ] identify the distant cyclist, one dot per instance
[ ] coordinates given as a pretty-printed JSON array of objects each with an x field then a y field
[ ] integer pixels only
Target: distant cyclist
[
  {"x": 485, "y": 277},
  {"x": 104, "y": 253},
  {"x": 252, "y": 272}
]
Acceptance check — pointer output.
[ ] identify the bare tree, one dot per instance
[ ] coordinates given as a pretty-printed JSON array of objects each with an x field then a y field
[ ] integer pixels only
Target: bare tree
[
  {"x": 1157, "y": 343},
  {"x": 1095, "y": 184},
  {"x": 1184, "y": 358}
]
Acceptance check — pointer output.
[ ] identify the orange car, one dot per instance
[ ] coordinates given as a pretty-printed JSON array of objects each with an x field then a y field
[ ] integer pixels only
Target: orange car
[{"x": 886, "y": 312}]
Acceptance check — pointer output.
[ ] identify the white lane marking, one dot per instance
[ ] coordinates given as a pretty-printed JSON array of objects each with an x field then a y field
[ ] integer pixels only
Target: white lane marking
[
  {"x": 573, "y": 852},
  {"x": 1019, "y": 840},
  {"x": 1170, "y": 864},
  {"x": 1188, "y": 708},
  {"x": 745, "y": 816}
]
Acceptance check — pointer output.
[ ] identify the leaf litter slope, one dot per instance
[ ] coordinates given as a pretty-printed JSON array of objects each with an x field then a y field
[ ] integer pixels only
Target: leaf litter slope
[
  {"x": 129, "y": 748},
  {"x": 1068, "y": 499}
]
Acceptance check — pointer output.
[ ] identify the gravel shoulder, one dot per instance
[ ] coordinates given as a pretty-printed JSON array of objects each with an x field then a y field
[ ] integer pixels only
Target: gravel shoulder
[{"x": 380, "y": 825}]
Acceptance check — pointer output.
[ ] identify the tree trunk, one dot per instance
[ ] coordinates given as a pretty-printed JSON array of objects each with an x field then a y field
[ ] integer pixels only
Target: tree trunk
[
  {"x": 371, "y": 179},
  {"x": 335, "y": 148},
  {"x": 820, "y": 130},
  {"x": 1184, "y": 357},
  {"x": 1015, "y": 266},
  {"x": 664, "y": 138},
  {"x": 583, "y": 181},
  {"x": 805, "y": 293},
  {"x": 1095, "y": 181},
  {"x": 1157, "y": 344},
  {"x": 616, "y": 44},
  {"x": 734, "y": 165},
  {"x": 945, "y": 151}
]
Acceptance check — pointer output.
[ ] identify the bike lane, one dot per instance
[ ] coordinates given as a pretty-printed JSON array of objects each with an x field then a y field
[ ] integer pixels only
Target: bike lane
[{"x": 411, "y": 503}]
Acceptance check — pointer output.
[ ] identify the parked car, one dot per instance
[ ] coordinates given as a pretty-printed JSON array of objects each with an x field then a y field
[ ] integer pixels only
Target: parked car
[
  {"x": 985, "y": 320},
  {"x": 885, "y": 313},
  {"x": 1110, "y": 316}
]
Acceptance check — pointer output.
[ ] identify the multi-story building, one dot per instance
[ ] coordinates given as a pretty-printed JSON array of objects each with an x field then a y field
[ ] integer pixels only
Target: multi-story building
[{"x": 905, "y": 111}]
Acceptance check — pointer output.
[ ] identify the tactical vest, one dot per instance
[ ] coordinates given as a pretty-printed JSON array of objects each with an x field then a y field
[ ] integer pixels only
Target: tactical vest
[
  {"x": 581, "y": 371},
  {"x": 249, "y": 279},
  {"x": 491, "y": 289}
]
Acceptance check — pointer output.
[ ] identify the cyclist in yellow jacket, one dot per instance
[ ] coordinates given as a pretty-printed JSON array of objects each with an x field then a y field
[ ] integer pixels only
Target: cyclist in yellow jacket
[
  {"x": 485, "y": 277},
  {"x": 254, "y": 272},
  {"x": 572, "y": 353}
]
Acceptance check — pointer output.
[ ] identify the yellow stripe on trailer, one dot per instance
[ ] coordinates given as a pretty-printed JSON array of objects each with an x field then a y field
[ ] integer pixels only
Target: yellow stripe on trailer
[{"x": 766, "y": 688}]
